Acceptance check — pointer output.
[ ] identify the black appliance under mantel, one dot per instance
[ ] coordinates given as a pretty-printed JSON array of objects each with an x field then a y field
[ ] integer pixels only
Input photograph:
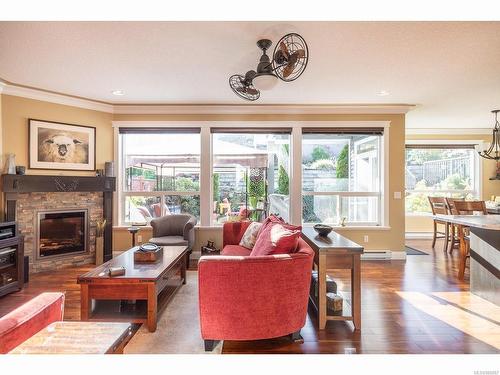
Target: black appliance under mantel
[{"x": 15, "y": 184}]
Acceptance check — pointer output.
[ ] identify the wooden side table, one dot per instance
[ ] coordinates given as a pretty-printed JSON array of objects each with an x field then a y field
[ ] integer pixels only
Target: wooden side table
[
  {"x": 133, "y": 231},
  {"x": 331, "y": 253}
]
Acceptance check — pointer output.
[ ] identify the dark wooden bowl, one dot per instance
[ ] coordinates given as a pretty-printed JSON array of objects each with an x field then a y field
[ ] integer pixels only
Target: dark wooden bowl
[{"x": 322, "y": 229}]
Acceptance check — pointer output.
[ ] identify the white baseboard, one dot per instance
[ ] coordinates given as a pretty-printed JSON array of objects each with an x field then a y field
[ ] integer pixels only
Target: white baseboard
[
  {"x": 418, "y": 235},
  {"x": 383, "y": 255}
]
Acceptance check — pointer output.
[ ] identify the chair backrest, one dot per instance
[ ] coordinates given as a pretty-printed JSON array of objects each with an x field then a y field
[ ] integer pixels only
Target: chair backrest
[
  {"x": 451, "y": 204},
  {"x": 170, "y": 225},
  {"x": 470, "y": 207},
  {"x": 438, "y": 205}
]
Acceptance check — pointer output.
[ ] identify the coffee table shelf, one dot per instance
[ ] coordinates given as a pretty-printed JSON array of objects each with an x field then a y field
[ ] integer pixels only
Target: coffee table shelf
[{"x": 116, "y": 310}]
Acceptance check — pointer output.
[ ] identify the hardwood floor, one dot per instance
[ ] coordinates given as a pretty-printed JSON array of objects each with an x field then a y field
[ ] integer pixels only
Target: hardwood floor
[{"x": 417, "y": 306}]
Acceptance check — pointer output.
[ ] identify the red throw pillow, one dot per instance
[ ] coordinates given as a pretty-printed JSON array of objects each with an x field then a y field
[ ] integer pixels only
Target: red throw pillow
[
  {"x": 276, "y": 237},
  {"x": 270, "y": 219}
]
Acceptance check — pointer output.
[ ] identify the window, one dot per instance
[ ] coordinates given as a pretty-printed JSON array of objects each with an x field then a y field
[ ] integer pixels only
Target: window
[
  {"x": 250, "y": 174},
  {"x": 439, "y": 170},
  {"x": 341, "y": 176},
  {"x": 221, "y": 174},
  {"x": 160, "y": 173}
]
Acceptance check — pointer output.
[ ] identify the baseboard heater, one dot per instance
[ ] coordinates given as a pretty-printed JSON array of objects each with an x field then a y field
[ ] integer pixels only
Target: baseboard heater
[{"x": 377, "y": 255}]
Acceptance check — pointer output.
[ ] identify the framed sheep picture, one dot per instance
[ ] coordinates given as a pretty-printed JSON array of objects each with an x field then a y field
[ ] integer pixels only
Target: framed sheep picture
[{"x": 56, "y": 145}]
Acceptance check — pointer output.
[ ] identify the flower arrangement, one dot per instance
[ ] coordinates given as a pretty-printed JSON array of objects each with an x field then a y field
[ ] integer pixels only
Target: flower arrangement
[{"x": 100, "y": 226}]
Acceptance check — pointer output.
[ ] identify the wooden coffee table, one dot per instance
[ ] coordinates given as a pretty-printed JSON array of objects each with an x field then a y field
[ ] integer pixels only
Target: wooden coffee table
[
  {"x": 78, "y": 338},
  {"x": 138, "y": 295}
]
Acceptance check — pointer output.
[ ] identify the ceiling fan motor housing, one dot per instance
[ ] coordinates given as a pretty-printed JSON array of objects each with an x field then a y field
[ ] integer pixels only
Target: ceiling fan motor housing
[{"x": 264, "y": 44}]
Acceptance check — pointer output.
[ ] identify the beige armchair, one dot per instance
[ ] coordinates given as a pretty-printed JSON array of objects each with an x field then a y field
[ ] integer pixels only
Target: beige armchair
[{"x": 174, "y": 230}]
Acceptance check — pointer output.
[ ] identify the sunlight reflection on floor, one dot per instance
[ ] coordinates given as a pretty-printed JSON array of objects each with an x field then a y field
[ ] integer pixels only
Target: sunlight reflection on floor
[{"x": 462, "y": 310}]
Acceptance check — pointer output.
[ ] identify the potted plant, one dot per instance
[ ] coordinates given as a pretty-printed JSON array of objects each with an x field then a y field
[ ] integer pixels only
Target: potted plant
[{"x": 99, "y": 241}]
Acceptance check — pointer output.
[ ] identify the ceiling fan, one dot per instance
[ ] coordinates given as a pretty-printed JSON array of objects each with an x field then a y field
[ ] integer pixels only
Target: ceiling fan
[{"x": 289, "y": 60}]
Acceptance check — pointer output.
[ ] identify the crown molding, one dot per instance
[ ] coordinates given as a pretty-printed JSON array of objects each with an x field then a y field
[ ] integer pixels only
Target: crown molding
[
  {"x": 447, "y": 131},
  {"x": 265, "y": 109},
  {"x": 53, "y": 97},
  {"x": 8, "y": 88}
]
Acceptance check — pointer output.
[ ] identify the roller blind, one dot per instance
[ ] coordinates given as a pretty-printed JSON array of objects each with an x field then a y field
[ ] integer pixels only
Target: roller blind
[
  {"x": 441, "y": 146},
  {"x": 270, "y": 130},
  {"x": 346, "y": 131},
  {"x": 158, "y": 130}
]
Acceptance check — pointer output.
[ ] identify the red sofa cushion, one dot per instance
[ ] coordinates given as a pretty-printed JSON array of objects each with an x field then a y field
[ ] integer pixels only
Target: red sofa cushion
[
  {"x": 30, "y": 318},
  {"x": 232, "y": 232},
  {"x": 276, "y": 237},
  {"x": 235, "y": 250}
]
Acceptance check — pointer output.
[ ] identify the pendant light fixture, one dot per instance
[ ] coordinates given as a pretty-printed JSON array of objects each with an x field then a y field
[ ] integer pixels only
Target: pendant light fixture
[{"x": 493, "y": 152}]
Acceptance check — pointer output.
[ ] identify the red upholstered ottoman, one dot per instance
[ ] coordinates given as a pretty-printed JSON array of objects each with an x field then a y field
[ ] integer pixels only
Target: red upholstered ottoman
[{"x": 28, "y": 319}]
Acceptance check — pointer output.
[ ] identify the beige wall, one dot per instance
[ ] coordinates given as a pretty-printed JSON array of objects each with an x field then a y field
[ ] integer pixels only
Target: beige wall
[
  {"x": 16, "y": 112},
  {"x": 418, "y": 223}
]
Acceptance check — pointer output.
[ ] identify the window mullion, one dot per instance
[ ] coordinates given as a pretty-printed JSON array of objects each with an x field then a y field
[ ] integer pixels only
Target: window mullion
[{"x": 206, "y": 177}]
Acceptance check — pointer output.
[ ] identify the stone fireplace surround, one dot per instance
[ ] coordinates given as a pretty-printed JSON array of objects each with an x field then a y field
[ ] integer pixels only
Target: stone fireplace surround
[
  {"x": 26, "y": 195},
  {"x": 28, "y": 206}
]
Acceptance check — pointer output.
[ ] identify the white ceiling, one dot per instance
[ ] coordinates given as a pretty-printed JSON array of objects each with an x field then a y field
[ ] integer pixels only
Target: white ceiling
[{"x": 451, "y": 70}]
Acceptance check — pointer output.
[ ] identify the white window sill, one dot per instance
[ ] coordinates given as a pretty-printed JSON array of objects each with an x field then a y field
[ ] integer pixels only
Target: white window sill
[
  {"x": 125, "y": 227},
  {"x": 338, "y": 227},
  {"x": 355, "y": 227},
  {"x": 417, "y": 214}
]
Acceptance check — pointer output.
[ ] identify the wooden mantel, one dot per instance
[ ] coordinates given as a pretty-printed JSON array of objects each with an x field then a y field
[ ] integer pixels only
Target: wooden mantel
[{"x": 11, "y": 185}]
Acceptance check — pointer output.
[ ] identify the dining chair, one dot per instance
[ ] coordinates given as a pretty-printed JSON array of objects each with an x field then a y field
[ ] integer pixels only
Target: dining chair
[
  {"x": 454, "y": 240},
  {"x": 466, "y": 208},
  {"x": 439, "y": 206}
]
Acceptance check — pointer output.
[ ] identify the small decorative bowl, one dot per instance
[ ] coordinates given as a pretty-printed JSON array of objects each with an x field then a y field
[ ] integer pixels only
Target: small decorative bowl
[{"x": 323, "y": 229}]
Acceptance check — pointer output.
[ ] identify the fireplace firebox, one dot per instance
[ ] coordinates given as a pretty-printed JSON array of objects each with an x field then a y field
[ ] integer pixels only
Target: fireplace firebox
[{"x": 61, "y": 233}]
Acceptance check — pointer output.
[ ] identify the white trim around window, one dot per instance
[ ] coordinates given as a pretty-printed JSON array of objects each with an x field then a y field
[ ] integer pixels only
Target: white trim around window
[
  {"x": 478, "y": 167},
  {"x": 295, "y": 159}
]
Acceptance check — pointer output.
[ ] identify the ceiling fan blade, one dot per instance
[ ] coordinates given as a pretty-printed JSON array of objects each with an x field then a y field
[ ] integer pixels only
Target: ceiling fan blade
[
  {"x": 284, "y": 49},
  {"x": 300, "y": 53},
  {"x": 288, "y": 69}
]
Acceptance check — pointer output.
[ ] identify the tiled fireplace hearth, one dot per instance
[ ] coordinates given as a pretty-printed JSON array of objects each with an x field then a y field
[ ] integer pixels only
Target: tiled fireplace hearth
[{"x": 58, "y": 215}]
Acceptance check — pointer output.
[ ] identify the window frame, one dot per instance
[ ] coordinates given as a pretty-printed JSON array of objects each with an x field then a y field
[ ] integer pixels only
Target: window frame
[
  {"x": 247, "y": 130},
  {"x": 162, "y": 194},
  {"x": 341, "y": 194},
  {"x": 478, "y": 170},
  {"x": 206, "y": 162}
]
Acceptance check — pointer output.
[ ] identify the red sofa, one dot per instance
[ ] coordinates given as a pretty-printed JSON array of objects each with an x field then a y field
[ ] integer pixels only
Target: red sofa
[
  {"x": 30, "y": 318},
  {"x": 251, "y": 298}
]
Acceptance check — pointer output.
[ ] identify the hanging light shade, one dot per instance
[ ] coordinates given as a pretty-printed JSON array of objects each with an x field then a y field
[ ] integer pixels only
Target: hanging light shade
[{"x": 493, "y": 152}]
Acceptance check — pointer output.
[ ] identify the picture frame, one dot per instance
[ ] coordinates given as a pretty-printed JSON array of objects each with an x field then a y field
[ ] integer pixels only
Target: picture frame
[{"x": 61, "y": 146}]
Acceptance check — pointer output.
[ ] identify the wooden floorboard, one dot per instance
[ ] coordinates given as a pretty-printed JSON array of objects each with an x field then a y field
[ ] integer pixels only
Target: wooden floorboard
[{"x": 417, "y": 306}]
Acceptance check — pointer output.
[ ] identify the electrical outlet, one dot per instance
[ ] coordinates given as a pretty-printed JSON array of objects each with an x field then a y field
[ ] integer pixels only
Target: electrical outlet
[
  {"x": 397, "y": 195},
  {"x": 139, "y": 238},
  {"x": 365, "y": 238}
]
